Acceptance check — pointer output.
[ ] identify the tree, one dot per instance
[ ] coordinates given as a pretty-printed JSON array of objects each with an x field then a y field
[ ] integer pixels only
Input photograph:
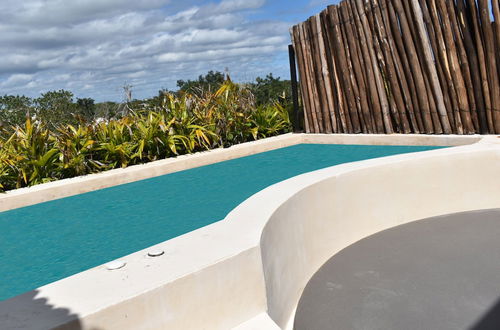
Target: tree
[
  {"x": 106, "y": 110},
  {"x": 86, "y": 108},
  {"x": 210, "y": 82},
  {"x": 56, "y": 107},
  {"x": 55, "y": 99},
  {"x": 271, "y": 89},
  {"x": 14, "y": 109}
]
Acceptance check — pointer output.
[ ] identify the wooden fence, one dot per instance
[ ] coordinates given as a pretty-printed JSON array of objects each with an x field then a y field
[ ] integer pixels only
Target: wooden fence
[{"x": 401, "y": 66}]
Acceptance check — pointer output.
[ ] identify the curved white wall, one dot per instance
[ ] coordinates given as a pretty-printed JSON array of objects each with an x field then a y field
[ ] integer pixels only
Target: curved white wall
[
  {"x": 257, "y": 261},
  {"x": 353, "y": 201}
]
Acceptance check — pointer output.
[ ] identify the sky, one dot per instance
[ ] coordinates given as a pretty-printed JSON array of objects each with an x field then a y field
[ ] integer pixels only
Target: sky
[{"x": 95, "y": 47}]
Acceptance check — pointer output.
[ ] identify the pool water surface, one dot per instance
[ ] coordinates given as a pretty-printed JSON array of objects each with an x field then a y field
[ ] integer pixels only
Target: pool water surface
[{"x": 46, "y": 242}]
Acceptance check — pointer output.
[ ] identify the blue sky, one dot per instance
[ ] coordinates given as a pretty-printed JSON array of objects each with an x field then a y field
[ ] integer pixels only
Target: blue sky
[{"x": 94, "y": 47}]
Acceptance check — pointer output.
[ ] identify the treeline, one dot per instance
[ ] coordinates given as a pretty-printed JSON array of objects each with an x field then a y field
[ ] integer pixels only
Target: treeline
[
  {"x": 60, "y": 107},
  {"x": 265, "y": 90},
  {"x": 54, "y": 108}
]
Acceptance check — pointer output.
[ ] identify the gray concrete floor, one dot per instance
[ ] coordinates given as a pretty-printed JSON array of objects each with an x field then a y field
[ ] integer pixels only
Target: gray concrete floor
[{"x": 438, "y": 273}]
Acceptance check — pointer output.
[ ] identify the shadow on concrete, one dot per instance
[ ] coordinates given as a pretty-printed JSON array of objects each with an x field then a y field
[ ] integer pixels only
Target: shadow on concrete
[
  {"x": 490, "y": 320},
  {"x": 435, "y": 273},
  {"x": 28, "y": 312}
]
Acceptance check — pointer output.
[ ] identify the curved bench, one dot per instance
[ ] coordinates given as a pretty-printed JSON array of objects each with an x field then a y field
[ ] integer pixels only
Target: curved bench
[{"x": 330, "y": 209}]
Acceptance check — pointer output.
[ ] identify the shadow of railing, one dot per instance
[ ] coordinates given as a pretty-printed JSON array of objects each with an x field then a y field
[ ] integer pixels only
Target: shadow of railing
[
  {"x": 490, "y": 320},
  {"x": 28, "y": 312}
]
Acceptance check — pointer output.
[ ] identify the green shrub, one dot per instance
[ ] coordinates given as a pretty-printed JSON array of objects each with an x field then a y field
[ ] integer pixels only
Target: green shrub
[{"x": 39, "y": 152}]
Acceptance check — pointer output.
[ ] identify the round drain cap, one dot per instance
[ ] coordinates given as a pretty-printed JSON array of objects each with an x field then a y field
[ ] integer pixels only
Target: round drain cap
[
  {"x": 155, "y": 253},
  {"x": 115, "y": 264}
]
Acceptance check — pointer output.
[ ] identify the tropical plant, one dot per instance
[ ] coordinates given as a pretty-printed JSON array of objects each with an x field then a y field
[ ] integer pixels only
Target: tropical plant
[
  {"x": 77, "y": 146},
  {"x": 270, "y": 120},
  {"x": 33, "y": 154},
  {"x": 174, "y": 124}
]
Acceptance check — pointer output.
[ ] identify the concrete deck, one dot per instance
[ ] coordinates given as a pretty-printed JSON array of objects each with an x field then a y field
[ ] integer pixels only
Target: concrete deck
[{"x": 437, "y": 273}]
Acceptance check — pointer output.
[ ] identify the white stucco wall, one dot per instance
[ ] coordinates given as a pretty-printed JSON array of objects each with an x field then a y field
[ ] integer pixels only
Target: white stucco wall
[
  {"x": 350, "y": 202},
  {"x": 250, "y": 269}
]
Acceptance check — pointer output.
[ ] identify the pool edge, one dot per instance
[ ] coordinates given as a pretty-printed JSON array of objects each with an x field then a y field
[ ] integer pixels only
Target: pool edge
[{"x": 74, "y": 186}]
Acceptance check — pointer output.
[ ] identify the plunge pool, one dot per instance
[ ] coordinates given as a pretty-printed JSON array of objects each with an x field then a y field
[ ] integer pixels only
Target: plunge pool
[{"x": 46, "y": 242}]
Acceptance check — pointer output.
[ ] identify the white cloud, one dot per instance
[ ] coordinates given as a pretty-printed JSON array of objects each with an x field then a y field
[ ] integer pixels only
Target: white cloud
[
  {"x": 313, "y": 3},
  {"x": 18, "y": 78},
  {"x": 228, "y": 6},
  {"x": 50, "y": 12},
  {"x": 94, "y": 46}
]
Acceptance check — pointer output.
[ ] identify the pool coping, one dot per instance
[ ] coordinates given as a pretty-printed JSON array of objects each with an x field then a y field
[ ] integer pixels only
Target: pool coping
[
  {"x": 74, "y": 186},
  {"x": 205, "y": 255}
]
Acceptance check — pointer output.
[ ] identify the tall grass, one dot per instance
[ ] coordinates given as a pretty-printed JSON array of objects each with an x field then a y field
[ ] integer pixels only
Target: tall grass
[{"x": 33, "y": 154}]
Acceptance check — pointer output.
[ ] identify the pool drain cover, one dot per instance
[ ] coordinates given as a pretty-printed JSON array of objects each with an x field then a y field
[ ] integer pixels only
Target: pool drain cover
[
  {"x": 155, "y": 253},
  {"x": 116, "y": 264}
]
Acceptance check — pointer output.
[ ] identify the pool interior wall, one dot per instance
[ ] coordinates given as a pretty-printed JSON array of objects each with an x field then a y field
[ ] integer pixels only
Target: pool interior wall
[{"x": 46, "y": 242}]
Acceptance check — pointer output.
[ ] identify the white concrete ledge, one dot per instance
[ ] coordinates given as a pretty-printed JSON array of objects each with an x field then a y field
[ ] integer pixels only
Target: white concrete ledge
[
  {"x": 74, "y": 186},
  {"x": 259, "y": 258}
]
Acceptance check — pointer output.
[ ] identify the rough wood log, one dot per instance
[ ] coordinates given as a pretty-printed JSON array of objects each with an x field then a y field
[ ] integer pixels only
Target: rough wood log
[
  {"x": 467, "y": 32},
  {"x": 338, "y": 52},
  {"x": 379, "y": 84},
  {"x": 322, "y": 76},
  {"x": 310, "y": 77},
  {"x": 489, "y": 45},
  {"x": 358, "y": 75},
  {"x": 302, "y": 78}
]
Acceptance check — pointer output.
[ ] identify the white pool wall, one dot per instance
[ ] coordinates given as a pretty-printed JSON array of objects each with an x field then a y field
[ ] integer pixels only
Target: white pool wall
[{"x": 75, "y": 186}]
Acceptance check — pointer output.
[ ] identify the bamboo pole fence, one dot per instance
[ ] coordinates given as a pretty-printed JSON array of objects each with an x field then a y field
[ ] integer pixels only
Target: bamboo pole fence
[{"x": 401, "y": 66}]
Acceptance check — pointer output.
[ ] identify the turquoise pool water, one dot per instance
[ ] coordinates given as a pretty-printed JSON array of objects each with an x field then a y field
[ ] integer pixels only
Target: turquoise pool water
[{"x": 46, "y": 242}]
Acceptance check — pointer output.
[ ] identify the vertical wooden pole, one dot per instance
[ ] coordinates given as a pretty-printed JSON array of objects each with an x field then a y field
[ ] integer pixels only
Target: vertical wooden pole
[
  {"x": 326, "y": 87},
  {"x": 433, "y": 34},
  {"x": 323, "y": 118},
  {"x": 415, "y": 66},
  {"x": 400, "y": 72},
  {"x": 384, "y": 66},
  {"x": 455, "y": 70},
  {"x": 330, "y": 64},
  {"x": 303, "y": 79},
  {"x": 464, "y": 63},
  {"x": 496, "y": 30},
  {"x": 478, "y": 38},
  {"x": 443, "y": 56},
  {"x": 463, "y": 20},
  {"x": 407, "y": 69},
  {"x": 313, "y": 96},
  {"x": 382, "y": 97},
  {"x": 430, "y": 66},
  {"x": 337, "y": 54},
  {"x": 350, "y": 79},
  {"x": 295, "y": 90},
  {"x": 489, "y": 45},
  {"x": 374, "y": 99},
  {"x": 390, "y": 71},
  {"x": 357, "y": 77}
]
